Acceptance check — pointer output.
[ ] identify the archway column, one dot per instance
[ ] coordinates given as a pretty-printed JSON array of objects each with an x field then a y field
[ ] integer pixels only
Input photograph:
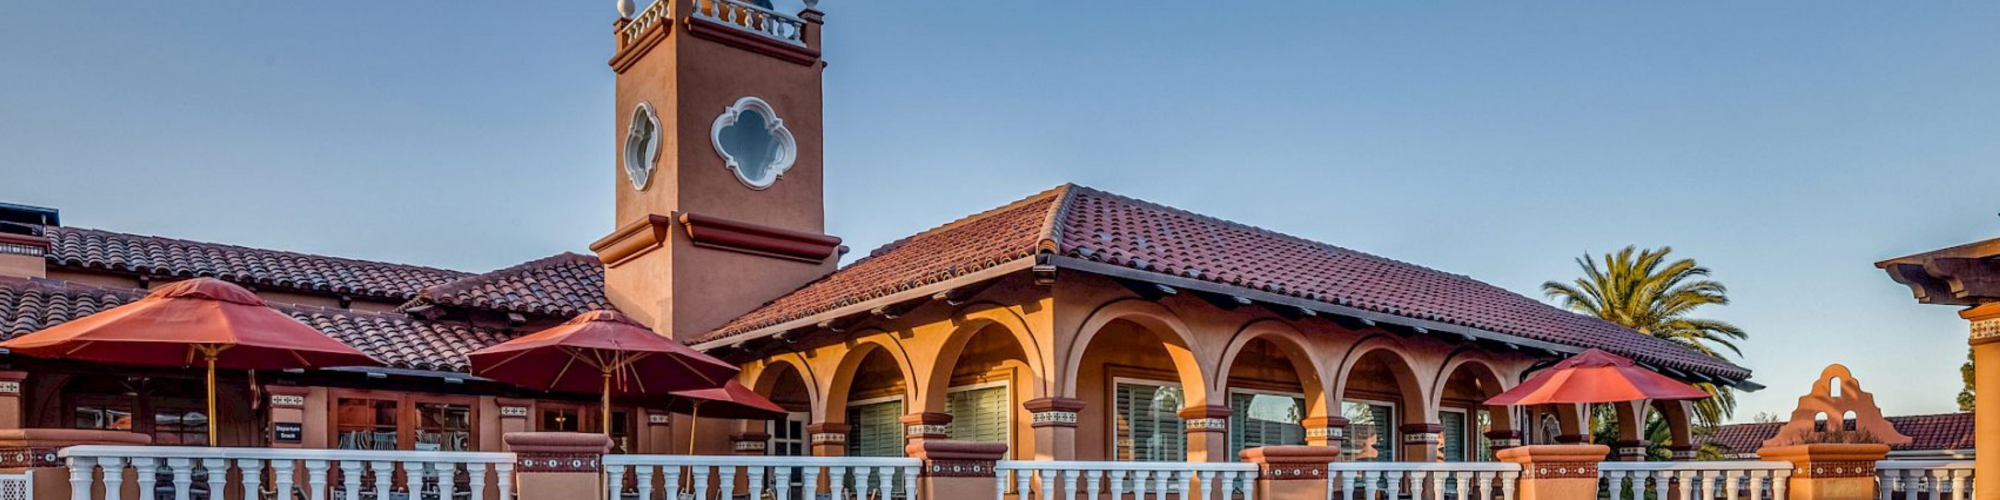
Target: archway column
[
  {"x": 1573, "y": 421},
  {"x": 1680, "y": 427},
  {"x": 1421, "y": 440},
  {"x": 1207, "y": 430},
  {"x": 1054, "y": 422},
  {"x": 829, "y": 439},
  {"x": 1329, "y": 431},
  {"x": 1632, "y": 445}
]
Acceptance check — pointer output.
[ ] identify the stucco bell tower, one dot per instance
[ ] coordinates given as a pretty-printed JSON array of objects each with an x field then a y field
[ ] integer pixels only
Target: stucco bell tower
[{"x": 720, "y": 180}]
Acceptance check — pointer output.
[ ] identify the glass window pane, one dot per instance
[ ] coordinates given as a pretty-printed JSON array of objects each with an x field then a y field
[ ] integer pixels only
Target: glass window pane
[
  {"x": 365, "y": 424},
  {"x": 1265, "y": 420},
  {"x": 1149, "y": 423},
  {"x": 1454, "y": 435},
  {"x": 1371, "y": 432},
  {"x": 444, "y": 427}
]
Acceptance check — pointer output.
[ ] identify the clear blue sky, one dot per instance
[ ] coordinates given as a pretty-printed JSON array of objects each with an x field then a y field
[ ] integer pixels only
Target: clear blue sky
[{"x": 1787, "y": 145}]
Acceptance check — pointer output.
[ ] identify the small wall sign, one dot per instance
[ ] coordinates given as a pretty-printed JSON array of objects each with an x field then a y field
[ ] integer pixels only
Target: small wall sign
[{"x": 288, "y": 432}]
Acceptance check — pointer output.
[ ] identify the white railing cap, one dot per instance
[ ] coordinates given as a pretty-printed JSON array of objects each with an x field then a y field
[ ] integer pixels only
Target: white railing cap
[
  {"x": 1424, "y": 466},
  {"x": 1718, "y": 465},
  {"x": 756, "y": 461},
  {"x": 1125, "y": 466},
  {"x": 96, "y": 451},
  {"x": 1923, "y": 464}
]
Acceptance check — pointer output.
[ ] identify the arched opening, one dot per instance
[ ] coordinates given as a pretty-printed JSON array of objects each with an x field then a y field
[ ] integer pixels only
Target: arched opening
[
  {"x": 981, "y": 381},
  {"x": 1271, "y": 387},
  {"x": 1135, "y": 379},
  {"x": 869, "y": 395},
  {"x": 1380, "y": 396},
  {"x": 1468, "y": 423},
  {"x": 787, "y": 386}
]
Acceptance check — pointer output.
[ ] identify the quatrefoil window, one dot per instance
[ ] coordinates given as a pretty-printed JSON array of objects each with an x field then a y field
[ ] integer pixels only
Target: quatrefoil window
[
  {"x": 754, "y": 142},
  {"x": 642, "y": 146}
]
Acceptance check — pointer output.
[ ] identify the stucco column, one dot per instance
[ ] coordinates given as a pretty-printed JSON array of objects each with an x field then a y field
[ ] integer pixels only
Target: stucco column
[
  {"x": 1326, "y": 432},
  {"x": 926, "y": 426},
  {"x": 1292, "y": 472},
  {"x": 956, "y": 470},
  {"x": 10, "y": 398},
  {"x": 829, "y": 439},
  {"x": 1054, "y": 421},
  {"x": 1986, "y": 397},
  {"x": 1207, "y": 433},
  {"x": 1558, "y": 471},
  {"x": 1420, "y": 441},
  {"x": 558, "y": 464},
  {"x": 660, "y": 433},
  {"x": 288, "y": 417}
]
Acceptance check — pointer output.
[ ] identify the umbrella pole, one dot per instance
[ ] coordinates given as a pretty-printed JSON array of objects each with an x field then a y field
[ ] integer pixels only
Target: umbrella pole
[
  {"x": 210, "y": 355},
  {"x": 694, "y": 420},
  {"x": 606, "y": 423}
]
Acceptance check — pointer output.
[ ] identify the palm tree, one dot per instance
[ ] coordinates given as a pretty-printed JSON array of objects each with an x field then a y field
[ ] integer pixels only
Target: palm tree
[{"x": 1645, "y": 291}]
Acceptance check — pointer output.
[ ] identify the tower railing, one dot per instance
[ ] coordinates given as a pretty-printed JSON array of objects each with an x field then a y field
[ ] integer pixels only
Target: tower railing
[
  {"x": 753, "y": 19},
  {"x": 659, "y": 11}
]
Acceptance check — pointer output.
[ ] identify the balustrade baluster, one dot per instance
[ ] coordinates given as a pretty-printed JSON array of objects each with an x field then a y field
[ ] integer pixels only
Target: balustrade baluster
[
  {"x": 726, "y": 476},
  {"x": 700, "y": 473},
  {"x": 1392, "y": 484},
  {"x": 910, "y": 481},
  {"x": 1958, "y": 484},
  {"x": 1069, "y": 484},
  {"x": 81, "y": 471},
  {"x": 477, "y": 473},
  {"x": 281, "y": 478},
  {"x": 1615, "y": 481},
  {"x": 503, "y": 474},
  {"x": 183, "y": 469},
  {"x": 1249, "y": 484},
  {"x": 1184, "y": 480},
  {"x": 350, "y": 480},
  {"x": 1508, "y": 479},
  {"x": 1757, "y": 484},
  {"x": 1117, "y": 480},
  {"x": 1090, "y": 478},
  {"x": 218, "y": 477},
  {"x": 114, "y": 477},
  {"x": 385, "y": 478},
  {"x": 614, "y": 479},
  {"x": 1459, "y": 479},
  {"x": 810, "y": 483},
  {"x": 1161, "y": 480},
  {"x": 756, "y": 482},
  {"x": 782, "y": 480},
  {"x": 836, "y": 479},
  {"x": 253, "y": 478},
  {"x": 413, "y": 479},
  {"x": 447, "y": 479}
]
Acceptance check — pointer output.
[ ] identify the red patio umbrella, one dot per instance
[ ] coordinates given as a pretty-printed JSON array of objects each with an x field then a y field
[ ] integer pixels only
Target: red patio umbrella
[
  {"x": 202, "y": 321},
  {"x": 591, "y": 351},
  {"x": 732, "y": 400},
  {"x": 1595, "y": 376}
]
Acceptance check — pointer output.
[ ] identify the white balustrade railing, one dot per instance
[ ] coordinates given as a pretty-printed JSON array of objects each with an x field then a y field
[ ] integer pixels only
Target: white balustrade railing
[
  {"x": 1164, "y": 480},
  {"x": 758, "y": 20},
  {"x": 176, "y": 471},
  {"x": 1924, "y": 479},
  {"x": 1423, "y": 480},
  {"x": 1719, "y": 480},
  {"x": 672, "y": 477},
  {"x": 660, "y": 10}
]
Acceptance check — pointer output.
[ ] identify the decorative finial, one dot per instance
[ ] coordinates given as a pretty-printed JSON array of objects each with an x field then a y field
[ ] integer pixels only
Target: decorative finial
[
  {"x": 625, "y": 8},
  {"x": 812, "y": 4}
]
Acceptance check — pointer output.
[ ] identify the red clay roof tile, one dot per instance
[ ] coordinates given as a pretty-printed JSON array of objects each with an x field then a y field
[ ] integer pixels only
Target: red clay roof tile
[
  {"x": 1947, "y": 431},
  {"x": 1098, "y": 226},
  {"x": 563, "y": 285},
  {"x": 151, "y": 255}
]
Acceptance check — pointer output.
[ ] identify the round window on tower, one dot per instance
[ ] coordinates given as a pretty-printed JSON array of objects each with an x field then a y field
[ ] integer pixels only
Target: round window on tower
[
  {"x": 642, "y": 146},
  {"x": 754, "y": 142}
]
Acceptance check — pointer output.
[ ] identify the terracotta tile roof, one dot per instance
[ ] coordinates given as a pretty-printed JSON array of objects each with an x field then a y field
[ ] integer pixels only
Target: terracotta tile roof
[
  {"x": 563, "y": 285},
  {"x": 122, "y": 252},
  {"x": 1948, "y": 431},
  {"x": 28, "y": 305},
  {"x": 1094, "y": 225}
]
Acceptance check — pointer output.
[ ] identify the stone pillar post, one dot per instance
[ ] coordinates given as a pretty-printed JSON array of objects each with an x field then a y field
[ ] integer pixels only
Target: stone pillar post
[
  {"x": 1326, "y": 432},
  {"x": 559, "y": 464},
  {"x": 1986, "y": 403},
  {"x": 1054, "y": 421},
  {"x": 1207, "y": 433},
  {"x": 288, "y": 415},
  {"x": 11, "y": 412},
  {"x": 750, "y": 443},
  {"x": 1292, "y": 472},
  {"x": 1558, "y": 471},
  {"x": 956, "y": 470},
  {"x": 829, "y": 439},
  {"x": 33, "y": 451},
  {"x": 1832, "y": 471},
  {"x": 1420, "y": 442}
]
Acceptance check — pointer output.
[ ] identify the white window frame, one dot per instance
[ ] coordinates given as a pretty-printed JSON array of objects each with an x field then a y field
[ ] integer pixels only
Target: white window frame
[
  {"x": 1394, "y": 428},
  {"x": 1234, "y": 391},
  {"x": 1111, "y": 424},
  {"x": 1010, "y": 402},
  {"x": 804, "y": 439}
]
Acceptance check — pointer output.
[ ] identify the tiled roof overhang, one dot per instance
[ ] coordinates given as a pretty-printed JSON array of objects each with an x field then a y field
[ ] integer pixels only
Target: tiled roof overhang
[
  {"x": 149, "y": 256},
  {"x": 1964, "y": 275}
]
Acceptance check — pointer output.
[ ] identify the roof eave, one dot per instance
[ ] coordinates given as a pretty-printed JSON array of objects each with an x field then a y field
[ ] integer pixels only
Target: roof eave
[{"x": 864, "y": 307}]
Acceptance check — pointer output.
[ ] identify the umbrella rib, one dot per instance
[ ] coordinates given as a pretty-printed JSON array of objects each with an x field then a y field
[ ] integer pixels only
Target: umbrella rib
[
  {"x": 510, "y": 359},
  {"x": 80, "y": 348},
  {"x": 559, "y": 374}
]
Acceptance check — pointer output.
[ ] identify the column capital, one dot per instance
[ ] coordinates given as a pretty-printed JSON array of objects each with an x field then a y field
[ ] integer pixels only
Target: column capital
[
  {"x": 1634, "y": 450},
  {"x": 1683, "y": 452},
  {"x": 832, "y": 433},
  {"x": 1057, "y": 412},
  {"x": 1422, "y": 434},
  {"x": 1504, "y": 439},
  {"x": 10, "y": 382},
  {"x": 926, "y": 425},
  {"x": 1211, "y": 418}
]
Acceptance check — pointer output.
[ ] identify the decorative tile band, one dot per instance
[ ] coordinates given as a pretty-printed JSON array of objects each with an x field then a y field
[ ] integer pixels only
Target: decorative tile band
[
  {"x": 1835, "y": 469},
  {"x": 1055, "y": 418},
  {"x": 1326, "y": 433},
  {"x": 920, "y": 430},
  {"x": 1986, "y": 329},
  {"x": 1205, "y": 424},
  {"x": 10, "y": 387},
  {"x": 660, "y": 419},
  {"x": 829, "y": 438},
  {"x": 1506, "y": 443},
  {"x": 959, "y": 468},
  {"x": 288, "y": 401},
  {"x": 559, "y": 462},
  {"x": 1683, "y": 455},
  {"x": 1294, "y": 472},
  {"x": 16, "y": 458},
  {"x": 1423, "y": 438},
  {"x": 1633, "y": 451},
  {"x": 751, "y": 446},
  {"x": 1561, "y": 470},
  {"x": 514, "y": 411}
]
